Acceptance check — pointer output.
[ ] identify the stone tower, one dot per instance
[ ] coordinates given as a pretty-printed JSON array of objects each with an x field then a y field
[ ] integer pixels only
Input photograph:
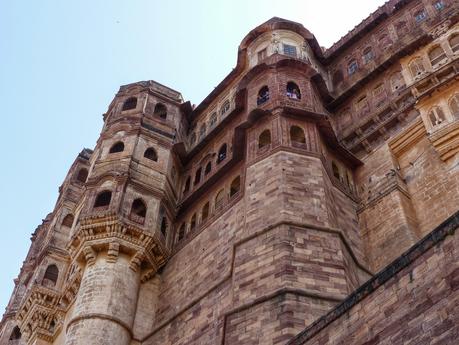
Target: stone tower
[{"x": 263, "y": 215}]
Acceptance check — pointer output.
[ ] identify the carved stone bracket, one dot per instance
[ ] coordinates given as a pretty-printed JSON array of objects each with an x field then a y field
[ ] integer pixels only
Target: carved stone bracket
[
  {"x": 114, "y": 235},
  {"x": 40, "y": 316}
]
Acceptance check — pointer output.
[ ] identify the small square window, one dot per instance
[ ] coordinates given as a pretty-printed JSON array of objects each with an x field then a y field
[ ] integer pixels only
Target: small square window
[
  {"x": 420, "y": 16},
  {"x": 439, "y": 5},
  {"x": 261, "y": 55},
  {"x": 289, "y": 50}
]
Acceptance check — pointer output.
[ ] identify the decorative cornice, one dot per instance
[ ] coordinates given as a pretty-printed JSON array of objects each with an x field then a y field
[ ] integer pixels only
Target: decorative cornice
[
  {"x": 408, "y": 138},
  {"x": 446, "y": 140}
]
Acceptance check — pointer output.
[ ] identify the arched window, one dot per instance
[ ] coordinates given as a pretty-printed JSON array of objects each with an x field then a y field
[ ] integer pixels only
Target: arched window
[
  {"x": 187, "y": 185},
  {"x": 181, "y": 232},
  {"x": 454, "y": 43},
  {"x": 235, "y": 186},
  {"x": 208, "y": 168},
  {"x": 193, "y": 138},
  {"x": 151, "y": 154},
  {"x": 416, "y": 67},
  {"x": 338, "y": 77},
  {"x": 220, "y": 199},
  {"x": 205, "y": 212},
  {"x": 436, "y": 116},
  {"x": 197, "y": 176},
  {"x": 436, "y": 55},
  {"x": 202, "y": 131},
  {"x": 396, "y": 81},
  {"x": 439, "y": 5},
  {"x": 164, "y": 223},
  {"x": 68, "y": 220},
  {"x": 297, "y": 135},
  {"x": 213, "y": 120},
  {"x": 15, "y": 334},
  {"x": 103, "y": 199},
  {"x": 117, "y": 147},
  {"x": 335, "y": 170},
  {"x": 225, "y": 107},
  {"x": 352, "y": 67},
  {"x": 160, "y": 110},
  {"x": 264, "y": 139},
  {"x": 454, "y": 105},
  {"x": 263, "y": 95},
  {"x": 293, "y": 91},
  {"x": 130, "y": 103},
  {"x": 193, "y": 222},
  {"x": 82, "y": 175},
  {"x": 368, "y": 55},
  {"x": 221, "y": 153},
  {"x": 51, "y": 275},
  {"x": 138, "y": 211}
]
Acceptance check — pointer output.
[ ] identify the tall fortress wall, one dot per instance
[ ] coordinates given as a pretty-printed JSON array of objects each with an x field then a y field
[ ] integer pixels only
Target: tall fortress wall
[{"x": 311, "y": 198}]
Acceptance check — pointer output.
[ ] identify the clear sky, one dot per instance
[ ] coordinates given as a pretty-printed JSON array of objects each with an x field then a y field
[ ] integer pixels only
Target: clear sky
[{"x": 61, "y": 62}]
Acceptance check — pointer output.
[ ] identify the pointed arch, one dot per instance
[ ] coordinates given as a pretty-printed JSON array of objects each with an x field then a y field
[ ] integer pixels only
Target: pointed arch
[
  {"x": 138, "y": 211},
  {"x": 208, "y": 168},
  {"x": 151, "y": 154},
  {"x": 187, "y": 185},
  {"x": 82, "y": 175},
  {"x": 235, "y": 186},
  {"x": 220, "y": 199},
  {"x": 164, "y": 223},
  {"x": 117, "y": 147},
  {"x": 297, "y": 135},
  {"x": 193, "y": 222},
  {"x": 263, "y": 95},
  {"x": 181, "y": 232},
  {"x": 293, "y": 91},
  {"x": 197, "y": 176},
  {"x": 50, "y": 276},
  {"x": 205, "y": 212},
  {"x": 264, "y": 139},
  {"x": 68, "y": 220},
  {"x": 160, "y": 110},
  {"x": 103, "y": 199},
  {"x": 15, "y": 333}
]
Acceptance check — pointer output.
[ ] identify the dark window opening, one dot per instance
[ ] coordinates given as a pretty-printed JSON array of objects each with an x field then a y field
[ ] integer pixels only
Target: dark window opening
[
  {"x": 138, "y": 209},
  {"x": 160, "y": 110},
  {"x": 187, "y": 185},
  {"x": 221, "y": 154},
  {"x": 181, "y": 232},
  {"x": 68, "y": 220},
  {"x": 51, "y": 275},
  {"x": 439, "y": 5},
  {"x": 164, "y": 226},
  {"x": 16, "y": 333},
  {"x": 293, "y": 91},
  {"x": 208, "y": 168},
  {"x": 103, "y": 199},
  {"x": 117, "y": 147},
  {"x": 205, "y": 212},
  {"x": 235, "y": 186},
  {"x": 297, "y": 135},
  {"x": 264, "y": 139},
  {"x": 193, "y": 222},
  {"x": 335, "y": 170},
  {"x": 130, "y": 103},
  {"x": 197, "y": 176},
  {"x": 82, "y": 175},
  {"x": 263, "y": 95},
  {"x": 220, "y": 199},
  {"x": 151, "y": 154}
]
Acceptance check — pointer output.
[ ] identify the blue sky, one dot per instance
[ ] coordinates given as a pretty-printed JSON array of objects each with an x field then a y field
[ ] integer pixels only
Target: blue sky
[{"x": 61, "y": 62}]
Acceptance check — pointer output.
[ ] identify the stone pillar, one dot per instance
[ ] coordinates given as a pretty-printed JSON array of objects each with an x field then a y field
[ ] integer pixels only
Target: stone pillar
[{"x": 106, "y": 303}]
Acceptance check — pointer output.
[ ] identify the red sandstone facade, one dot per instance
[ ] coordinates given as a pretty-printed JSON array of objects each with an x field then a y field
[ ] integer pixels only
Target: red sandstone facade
[{"x": 252, "y": 218}]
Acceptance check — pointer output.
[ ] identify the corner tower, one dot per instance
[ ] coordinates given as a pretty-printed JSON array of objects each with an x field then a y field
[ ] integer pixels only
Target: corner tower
[{"x": 123, "y": 236}]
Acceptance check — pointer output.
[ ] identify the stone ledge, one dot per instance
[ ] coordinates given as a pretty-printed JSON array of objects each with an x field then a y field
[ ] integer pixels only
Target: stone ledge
[{"x": 448, "y": 227}]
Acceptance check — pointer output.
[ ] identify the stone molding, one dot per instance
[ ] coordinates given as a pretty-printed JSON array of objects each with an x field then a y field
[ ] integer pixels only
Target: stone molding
[
  {"x": 110, "y": 233},
  {"x": 446, "y": 140}
]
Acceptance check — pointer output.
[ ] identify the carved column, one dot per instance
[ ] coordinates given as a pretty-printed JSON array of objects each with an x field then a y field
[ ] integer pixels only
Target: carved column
[{"x": 117, "y": 257}]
